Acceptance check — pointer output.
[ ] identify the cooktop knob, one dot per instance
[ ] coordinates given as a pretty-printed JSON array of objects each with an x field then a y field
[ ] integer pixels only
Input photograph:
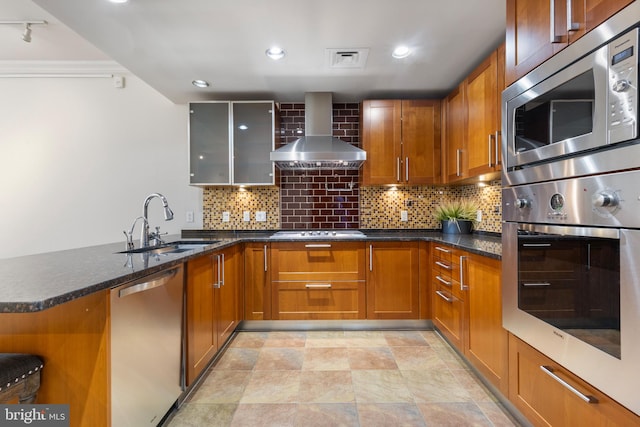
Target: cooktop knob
[
  {"x": 605, "y": 199},
  {"x": 522, "y": 203}
]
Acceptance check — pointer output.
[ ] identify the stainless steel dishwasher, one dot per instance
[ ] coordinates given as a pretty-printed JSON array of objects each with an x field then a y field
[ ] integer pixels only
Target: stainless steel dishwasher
[{"x": 146, "y": 348}]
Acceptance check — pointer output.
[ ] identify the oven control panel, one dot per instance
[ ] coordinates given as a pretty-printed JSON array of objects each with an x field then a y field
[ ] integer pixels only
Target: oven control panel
[{"x": 607, "y": 200}]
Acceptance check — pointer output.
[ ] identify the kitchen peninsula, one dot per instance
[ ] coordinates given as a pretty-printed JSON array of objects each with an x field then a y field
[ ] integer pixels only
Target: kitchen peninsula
[{"x": 57, "y": 305}]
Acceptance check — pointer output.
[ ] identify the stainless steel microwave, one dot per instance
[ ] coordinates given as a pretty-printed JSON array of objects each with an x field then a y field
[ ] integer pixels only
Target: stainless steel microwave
[{"x": 588, "y": 104}]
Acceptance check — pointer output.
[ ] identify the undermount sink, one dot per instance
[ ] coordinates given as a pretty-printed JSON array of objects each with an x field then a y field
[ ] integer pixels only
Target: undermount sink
[{"x": 170, "y": 248}]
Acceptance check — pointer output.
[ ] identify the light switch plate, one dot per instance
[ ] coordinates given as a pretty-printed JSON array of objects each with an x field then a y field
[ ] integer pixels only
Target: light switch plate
[
  {"x": 479, "y": 215},
  {"x": 404, "y": 216},
  {"x": 226, "y": 216},
  {"x": 246, "y": 216},
  {"x": 189, "y": 216},
  {"x": 261, "y": 216}
]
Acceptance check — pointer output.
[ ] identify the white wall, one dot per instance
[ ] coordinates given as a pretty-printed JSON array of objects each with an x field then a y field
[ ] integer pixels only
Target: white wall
[{"x": 78, "y": 157}]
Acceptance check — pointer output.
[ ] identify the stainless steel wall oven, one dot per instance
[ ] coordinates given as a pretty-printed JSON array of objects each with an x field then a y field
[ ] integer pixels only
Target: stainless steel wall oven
[{"x": 571, "y": 208}]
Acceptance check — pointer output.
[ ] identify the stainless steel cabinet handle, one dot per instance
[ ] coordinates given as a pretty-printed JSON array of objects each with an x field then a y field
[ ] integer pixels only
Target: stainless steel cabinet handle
[
  {"x": 318, "y": 285},
  {"x": 490, "y": 151},
  {"x": 145, "y": 286},
  {"x": 222, "y": 269},
  {"x": 444, "y": 297},
  {"x": 370, "y": 257},
  {"x": 463, "y": 287},
  {"x": 553, "y": 38},
  {"x": 458, "y": 151},
  {"x": 497, "y": 151},
  {"x": 318, "y": 245},
  {"x": 535, "y": 285},
  {"x": 398, "y": 170},
  {"x": 571, "y": 24},
  {"x": 265, "y": 257},
  {"x": 441, "y": 280},
  {"x": 441, "y": 249},
  {"x": 536, "y": 245},
  {"x": 550, "y": 371},
  {"x": 443, "y": 265},
  {"x": 406, "y": 168}
]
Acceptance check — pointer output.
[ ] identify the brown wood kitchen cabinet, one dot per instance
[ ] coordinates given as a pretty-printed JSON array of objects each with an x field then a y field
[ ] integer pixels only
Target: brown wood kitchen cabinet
[
  {"x": 213, "y": 305},
  {"x": 393, "y": 281},
  {"x": 545, "y": 401},
  {"x": 537, "y": 30},
  {"x": 467, "y": 309},
  {"x": 402, "y": 141},
  {"x": 471, "y": 143},
  {"x": 257, "y": 298},
  {"x": 317, "y": 280}
]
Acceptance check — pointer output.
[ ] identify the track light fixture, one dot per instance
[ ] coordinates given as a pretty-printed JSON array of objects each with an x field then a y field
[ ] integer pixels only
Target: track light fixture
[{"x": 26, "y": 35}]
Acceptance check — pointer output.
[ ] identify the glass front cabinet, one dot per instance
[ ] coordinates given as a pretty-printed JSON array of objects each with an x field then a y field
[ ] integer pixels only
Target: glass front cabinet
[{"x": 230, "y": 142}]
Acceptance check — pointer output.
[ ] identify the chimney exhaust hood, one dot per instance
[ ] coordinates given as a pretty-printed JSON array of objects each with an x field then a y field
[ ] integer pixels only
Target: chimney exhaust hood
[{"x": 318, "y": 149}]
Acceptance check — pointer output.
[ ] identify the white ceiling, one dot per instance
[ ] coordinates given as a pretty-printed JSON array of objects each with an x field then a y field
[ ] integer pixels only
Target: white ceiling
[{"x": 169, "y": 43}]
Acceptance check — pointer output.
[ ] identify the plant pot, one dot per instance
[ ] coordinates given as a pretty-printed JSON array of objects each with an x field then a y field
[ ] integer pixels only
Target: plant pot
[{"x": 457, "y": 227}]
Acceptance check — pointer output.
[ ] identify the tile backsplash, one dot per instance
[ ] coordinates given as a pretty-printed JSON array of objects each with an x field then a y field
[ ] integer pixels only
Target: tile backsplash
[{"x": 333, "y": 198}]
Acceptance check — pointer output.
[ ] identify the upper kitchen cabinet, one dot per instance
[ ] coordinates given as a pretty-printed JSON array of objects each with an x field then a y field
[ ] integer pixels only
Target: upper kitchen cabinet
[
  {"x": 402, "y": 141},
  {"x": 230, "y": 142},
  {"x": 536, "y": 30},
  {"x": 472, "y": 123}
]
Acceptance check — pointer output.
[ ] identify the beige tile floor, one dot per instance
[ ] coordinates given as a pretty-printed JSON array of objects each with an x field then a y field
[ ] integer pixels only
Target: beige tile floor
[{"x": 340, "y": 378}]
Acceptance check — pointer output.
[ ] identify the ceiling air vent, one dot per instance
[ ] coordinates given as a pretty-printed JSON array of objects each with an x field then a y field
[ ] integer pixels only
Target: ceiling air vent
[{"x": 347, "y": 58}]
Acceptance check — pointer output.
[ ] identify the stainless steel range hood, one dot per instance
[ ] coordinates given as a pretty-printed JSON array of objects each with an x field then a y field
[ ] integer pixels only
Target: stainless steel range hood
[{"x": 318, "y": 149}]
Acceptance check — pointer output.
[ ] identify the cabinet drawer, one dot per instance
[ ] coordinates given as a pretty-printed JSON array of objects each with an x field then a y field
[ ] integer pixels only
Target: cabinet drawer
[
  {"x": 319, "y": 300},
  {"x": 313, "y": 261},
  {"x": 536, "y": 390},
  {"x": 448, "y": 315}
]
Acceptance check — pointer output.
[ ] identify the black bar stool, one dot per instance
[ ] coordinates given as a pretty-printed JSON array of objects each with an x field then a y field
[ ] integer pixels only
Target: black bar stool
[{"x": 19, "y": 377}]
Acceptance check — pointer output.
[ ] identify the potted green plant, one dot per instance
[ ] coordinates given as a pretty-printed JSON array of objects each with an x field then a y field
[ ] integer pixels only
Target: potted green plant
[{"x": 458, "y": 216}]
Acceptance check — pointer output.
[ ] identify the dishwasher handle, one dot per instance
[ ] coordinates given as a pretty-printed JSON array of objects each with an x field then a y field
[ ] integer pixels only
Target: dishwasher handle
[{"x": 158, "y": 281}]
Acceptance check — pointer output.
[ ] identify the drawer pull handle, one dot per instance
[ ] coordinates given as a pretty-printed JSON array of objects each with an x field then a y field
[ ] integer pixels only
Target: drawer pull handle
[
  {"x": 444, "y": 297},
  {"x": 441, "y": 280},
  {"x": 318, "y": 245},
  {"x": 438, "y": 248},
  {"x": 535, "y": 285},
  {"x": 318, "y": 285},
  {"x": 550, "y": 371},
  {"x": 443, "y": 265}
]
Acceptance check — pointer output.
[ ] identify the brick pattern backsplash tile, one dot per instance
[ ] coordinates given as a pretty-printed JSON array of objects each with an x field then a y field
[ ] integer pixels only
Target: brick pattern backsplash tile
[{"x": 327, "y": 199}]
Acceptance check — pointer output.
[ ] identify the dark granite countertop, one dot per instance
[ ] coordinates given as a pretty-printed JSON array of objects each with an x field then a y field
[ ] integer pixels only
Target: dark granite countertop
[{"x": 37, "y": 282}]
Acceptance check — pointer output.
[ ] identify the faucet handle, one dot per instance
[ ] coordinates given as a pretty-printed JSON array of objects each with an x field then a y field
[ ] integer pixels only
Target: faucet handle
[{"x": 129, "y": 237}]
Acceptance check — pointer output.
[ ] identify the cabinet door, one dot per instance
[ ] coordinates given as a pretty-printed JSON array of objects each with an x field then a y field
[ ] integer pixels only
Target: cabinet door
[
  {"x": 226, "y": 297},
  {"x": 253, "y": 141},
  {"x": 483, "y": 122},
  {"x": 598, "y": 11},
  {"x": 534, "y": 34},
  {"x": 547, "y": 402},
  {"x": 421, "y": 142},
  {"x": 455, "y": 134},
  {"x": 257, "y": 288},
  {"x": 381, "y": 134},
  {"x": 487, "y": 340},
  {"x": 209, "y": 146},
  {"x": 201, "y": 336},
  {"x": 393, "y": 280}
]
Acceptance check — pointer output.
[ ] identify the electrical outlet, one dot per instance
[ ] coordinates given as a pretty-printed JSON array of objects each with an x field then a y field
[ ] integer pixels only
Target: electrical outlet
[
  {"x": 478, "y": 215},
  {"x": 404, "y": 216},
  {"x": 226, "y": 217},
  {"x": 189, "y": 216},
  {"x": 261, "y": 216},
  {"x": 246, "y": 216}
]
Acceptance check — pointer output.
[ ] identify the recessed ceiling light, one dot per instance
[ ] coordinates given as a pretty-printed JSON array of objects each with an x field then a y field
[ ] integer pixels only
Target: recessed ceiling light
[
  {"x": 401, "y": 52},
  {"x": 118, "y": 1},
  {"x": 275, "y": 53},
  {"x": 243, "y": 127},
  {"x": 200, "y": 83}
]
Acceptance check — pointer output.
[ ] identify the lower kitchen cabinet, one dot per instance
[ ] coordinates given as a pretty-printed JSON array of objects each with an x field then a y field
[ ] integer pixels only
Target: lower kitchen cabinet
[
  {"x": 467, "y": 309},
  {"x": 393, "y": 280},
  {"x": 317, "y": 280},
  {"x": 257, "y": 289},
  {"x": 213, "y": 305},
  {"x": 545, "y": 401}
]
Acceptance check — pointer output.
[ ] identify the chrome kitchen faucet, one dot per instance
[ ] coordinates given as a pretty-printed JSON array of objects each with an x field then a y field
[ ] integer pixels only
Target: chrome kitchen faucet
[{"x": 145, "y": 236}]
